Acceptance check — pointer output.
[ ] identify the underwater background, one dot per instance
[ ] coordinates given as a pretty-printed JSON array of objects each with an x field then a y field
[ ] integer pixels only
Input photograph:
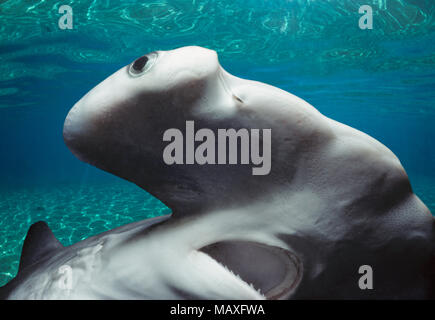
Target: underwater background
[{"x": 380, "y": 81}]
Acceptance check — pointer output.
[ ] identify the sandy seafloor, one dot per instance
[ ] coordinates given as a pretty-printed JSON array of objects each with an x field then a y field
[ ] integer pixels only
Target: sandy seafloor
[{"x": 73, "y": 212}]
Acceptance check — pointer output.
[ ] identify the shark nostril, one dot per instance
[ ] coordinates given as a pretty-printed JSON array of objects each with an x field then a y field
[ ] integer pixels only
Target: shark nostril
[{"x": 237, "y": 98}]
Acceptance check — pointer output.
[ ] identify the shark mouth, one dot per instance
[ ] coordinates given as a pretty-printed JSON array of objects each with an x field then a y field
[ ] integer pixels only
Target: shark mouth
[{"x": 274, "y": 272}]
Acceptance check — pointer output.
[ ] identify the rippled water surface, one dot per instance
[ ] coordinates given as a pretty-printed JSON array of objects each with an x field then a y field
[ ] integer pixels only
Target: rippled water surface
[{"x": 380, "y": 81}]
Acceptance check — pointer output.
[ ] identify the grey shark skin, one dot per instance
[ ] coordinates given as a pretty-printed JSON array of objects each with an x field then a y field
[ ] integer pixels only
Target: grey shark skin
[{"x": 335, "y": 199}]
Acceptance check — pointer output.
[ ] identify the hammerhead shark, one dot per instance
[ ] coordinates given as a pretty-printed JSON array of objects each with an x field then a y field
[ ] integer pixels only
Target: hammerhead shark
[{"x": 332, "y": 199}]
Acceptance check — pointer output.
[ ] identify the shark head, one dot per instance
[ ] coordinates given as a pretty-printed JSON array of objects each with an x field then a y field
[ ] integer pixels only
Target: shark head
[
  {"x": 120, "y": 126},
  {"x": 331, "y": 200}
]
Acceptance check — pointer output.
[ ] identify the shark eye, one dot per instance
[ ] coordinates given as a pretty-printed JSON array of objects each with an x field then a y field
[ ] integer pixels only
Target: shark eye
[{"x": 142, "y": 64}]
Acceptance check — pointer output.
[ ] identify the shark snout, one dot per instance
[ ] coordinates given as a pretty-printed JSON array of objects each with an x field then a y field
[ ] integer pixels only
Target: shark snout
[{"x": 75, "y": 129}]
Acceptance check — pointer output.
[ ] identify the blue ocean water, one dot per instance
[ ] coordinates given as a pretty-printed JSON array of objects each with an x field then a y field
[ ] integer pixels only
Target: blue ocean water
[{"x": 380, "y": 81}]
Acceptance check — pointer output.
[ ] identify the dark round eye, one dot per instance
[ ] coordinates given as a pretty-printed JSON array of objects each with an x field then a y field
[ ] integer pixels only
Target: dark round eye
[{"x": 142, "y": 64}]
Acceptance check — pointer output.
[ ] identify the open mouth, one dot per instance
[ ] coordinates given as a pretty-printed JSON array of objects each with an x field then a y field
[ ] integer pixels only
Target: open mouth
[{"x": 274, "y": 272}]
